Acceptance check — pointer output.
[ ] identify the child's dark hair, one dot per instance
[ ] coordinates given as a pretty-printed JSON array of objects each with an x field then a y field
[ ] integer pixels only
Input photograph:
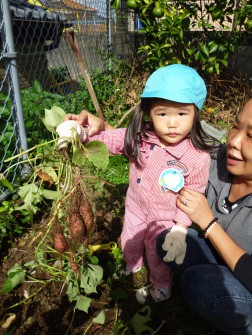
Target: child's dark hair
[{"x": 139, "y": 126}]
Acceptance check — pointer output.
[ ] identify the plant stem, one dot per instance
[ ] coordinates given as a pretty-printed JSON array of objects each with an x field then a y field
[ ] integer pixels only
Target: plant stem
[
  {"x": 89, "y": 326},
  {"x": 99, "y": 179},
  {"x": 51, "y": 270},
  {"x": 26, "y": 151},
  {"x": 48, "y": 226},
  {"x": 71, "y": 322},
  {"x": 33, "y": 280},
  {"x": 126, "y": 114},
  {"x": 31, "y": 296},
  {"x": 20, "y": 162},
  {"x": 157, "y": 330}
]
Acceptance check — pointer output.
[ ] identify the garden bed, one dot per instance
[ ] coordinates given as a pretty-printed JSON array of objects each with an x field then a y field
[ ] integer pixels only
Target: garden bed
[{"x": 48, "y": 310}]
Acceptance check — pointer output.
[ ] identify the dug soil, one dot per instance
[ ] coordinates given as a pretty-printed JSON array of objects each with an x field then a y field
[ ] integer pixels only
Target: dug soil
[{"x": 43, "y": 308}]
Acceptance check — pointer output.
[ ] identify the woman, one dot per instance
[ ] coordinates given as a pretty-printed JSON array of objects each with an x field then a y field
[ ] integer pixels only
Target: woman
[{"x": 216, "y": 276}]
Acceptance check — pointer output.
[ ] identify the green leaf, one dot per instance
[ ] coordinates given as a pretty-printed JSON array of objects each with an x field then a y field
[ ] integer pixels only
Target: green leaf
[
  {"x": 30, "y": 193},
  {"x": 16, "y": 276},
  {"x": 140, "y": 320},
  {"x": 94, "y": 260},
  {"x": 40, "y": 256},
  {"x": 83, "y": 303},
  {"x": 31, "y": 265},
  {"x": 52, "y": 195},
  {"x": 204, "y": 49},
  {"x": 224, "y": 62},
  {"x": 72, "y": 291},
  {"x": 217, "y": 67},
  {"x": 212, "y": 47},
  {"x": 5, "y": 182},
  {"x": 79, "y": 157},
  {"x": 115, "y": 4},
  {"x": 197, "y": 56},
  {"x": 37, "y": 86},
  {"x": 98, "y": 154},
  {"x": 91, "y": 277},
  {"x": 190, "y": 51},
  {"x": 29, "y": 208},
  {"x": 211, "y": 59},
  {"x": 100, "y": 318},
  {"x": 53, "y": 117}
]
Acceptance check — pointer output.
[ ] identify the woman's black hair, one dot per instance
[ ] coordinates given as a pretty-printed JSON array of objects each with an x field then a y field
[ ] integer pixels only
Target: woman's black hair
[{"x": 140, "y": 124}]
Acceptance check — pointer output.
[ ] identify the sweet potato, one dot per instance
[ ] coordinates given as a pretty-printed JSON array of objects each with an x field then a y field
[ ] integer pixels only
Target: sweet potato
[
  {"x": 73, "y": 264},
  {"x": 76, "y": 226},
  {"x": 88, "y": 216},
  {"x": 59, "y": 243},
  {"x": 86, "y": 242}
]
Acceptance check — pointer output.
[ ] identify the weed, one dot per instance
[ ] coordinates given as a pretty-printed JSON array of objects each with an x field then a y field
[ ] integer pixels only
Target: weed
[{"x": 13, "y": 223}]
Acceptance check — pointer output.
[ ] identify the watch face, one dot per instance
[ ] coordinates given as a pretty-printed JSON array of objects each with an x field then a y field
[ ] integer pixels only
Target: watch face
[{"x": 171, "y": 180}]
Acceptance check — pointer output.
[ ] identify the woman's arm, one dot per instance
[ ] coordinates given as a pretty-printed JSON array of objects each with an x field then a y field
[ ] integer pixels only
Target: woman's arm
[
  {"x": 87, "y": 119},
  {"x": 243, "y": 271},
  {"x": 200, "y": 213}
]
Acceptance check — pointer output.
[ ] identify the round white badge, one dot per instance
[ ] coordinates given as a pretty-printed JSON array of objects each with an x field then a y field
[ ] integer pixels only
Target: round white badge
[{"x": 171, "y": 179}]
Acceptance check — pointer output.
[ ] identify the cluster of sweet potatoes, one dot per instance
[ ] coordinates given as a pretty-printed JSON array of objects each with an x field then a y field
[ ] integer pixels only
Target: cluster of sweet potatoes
[{"x": 81, "y": 225}]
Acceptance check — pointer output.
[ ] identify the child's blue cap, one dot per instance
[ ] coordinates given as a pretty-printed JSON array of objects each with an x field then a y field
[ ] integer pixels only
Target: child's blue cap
[{"x": 178, "y": 83}]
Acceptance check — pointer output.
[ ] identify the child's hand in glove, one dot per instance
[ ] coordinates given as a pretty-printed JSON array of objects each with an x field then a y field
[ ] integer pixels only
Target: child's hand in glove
[{"x": 175, "y": 245}]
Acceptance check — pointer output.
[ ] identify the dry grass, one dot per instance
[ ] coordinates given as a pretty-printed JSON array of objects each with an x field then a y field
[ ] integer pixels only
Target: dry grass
[{"x": 226, "y": 97}]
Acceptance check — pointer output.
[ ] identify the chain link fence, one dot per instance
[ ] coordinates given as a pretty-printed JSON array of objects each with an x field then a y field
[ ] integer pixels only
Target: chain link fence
[
  {"x": 38, "y": 66},
  {"x": 36, "y": 61}
]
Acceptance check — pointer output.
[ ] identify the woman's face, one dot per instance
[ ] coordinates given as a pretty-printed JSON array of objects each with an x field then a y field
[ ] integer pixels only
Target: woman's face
[{"x": 239, "y": 144}]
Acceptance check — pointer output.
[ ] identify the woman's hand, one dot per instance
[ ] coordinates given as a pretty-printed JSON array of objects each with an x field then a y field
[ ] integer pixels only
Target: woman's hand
[
  {"x": 195, "y": 206},
  {"x": 85, "y": 118}
]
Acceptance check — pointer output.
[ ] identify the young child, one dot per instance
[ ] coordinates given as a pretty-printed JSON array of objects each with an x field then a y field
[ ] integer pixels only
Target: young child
[{"x": 167, "y": 150}]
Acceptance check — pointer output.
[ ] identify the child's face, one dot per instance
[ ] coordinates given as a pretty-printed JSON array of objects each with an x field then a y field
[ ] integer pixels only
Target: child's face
[{"x": 172, "y": 121}]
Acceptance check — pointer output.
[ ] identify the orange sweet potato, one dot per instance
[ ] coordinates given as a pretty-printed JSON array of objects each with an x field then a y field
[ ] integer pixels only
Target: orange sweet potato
[
  {"x": 88, "y": 216},
  {"x": 76, "y": 226},
  {"x": 73, "y": 264},
  {"x": 59, "y": 243}
]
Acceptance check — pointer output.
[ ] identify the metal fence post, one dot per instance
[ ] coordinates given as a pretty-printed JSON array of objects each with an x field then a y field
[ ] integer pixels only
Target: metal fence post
[
  {"x": 108, "y": 32},
  {"x": 10, "y": 54}
]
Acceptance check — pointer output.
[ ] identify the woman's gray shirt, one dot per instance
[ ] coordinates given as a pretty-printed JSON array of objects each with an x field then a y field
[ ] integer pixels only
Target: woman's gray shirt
[{"x": 237, "y": 223}]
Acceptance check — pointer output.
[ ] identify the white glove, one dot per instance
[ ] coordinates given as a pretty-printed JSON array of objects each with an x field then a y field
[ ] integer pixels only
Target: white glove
[
  {"x": 175, "y": 245},
  {"x": 66, "y": 129}
]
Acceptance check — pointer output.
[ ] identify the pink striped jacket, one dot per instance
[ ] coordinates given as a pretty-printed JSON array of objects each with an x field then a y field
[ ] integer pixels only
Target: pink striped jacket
[{"x": 144, "y": 181}]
